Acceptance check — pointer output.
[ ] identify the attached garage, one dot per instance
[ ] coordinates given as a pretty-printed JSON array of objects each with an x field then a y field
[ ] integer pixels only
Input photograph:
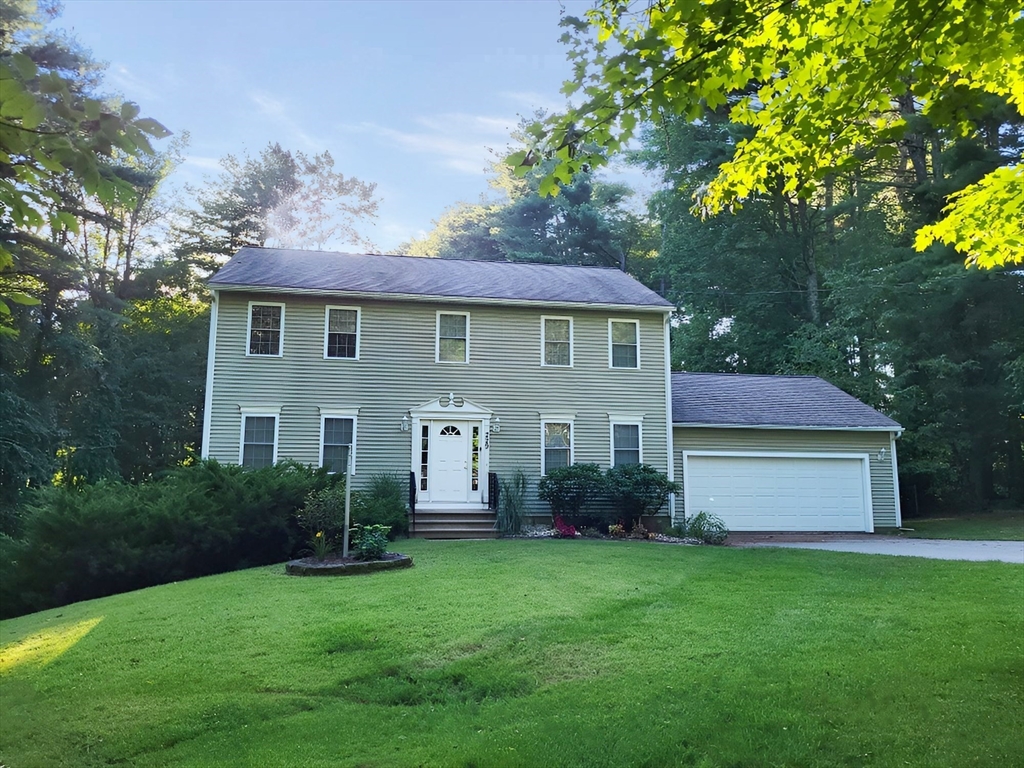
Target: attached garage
[
  {"x": 782, "y": 453},
  {"x": 780, "y": 492}
]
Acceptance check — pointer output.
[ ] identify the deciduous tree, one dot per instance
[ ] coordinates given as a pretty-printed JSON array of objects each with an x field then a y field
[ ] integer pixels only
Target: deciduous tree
[{"x": 822, "y": 86}]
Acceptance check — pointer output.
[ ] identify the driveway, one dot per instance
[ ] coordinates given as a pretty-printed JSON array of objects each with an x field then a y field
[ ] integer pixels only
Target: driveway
[{"x": 938, "y": 549}]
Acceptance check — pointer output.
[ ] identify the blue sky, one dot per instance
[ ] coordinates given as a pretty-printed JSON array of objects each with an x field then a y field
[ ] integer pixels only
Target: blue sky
[{"x": 407, "y": 94}]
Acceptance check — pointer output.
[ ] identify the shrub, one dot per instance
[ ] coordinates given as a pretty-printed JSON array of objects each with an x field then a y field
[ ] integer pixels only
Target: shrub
[
  {"x": 569, "y": 489},
  {"x": 617, "y": 530},
  {"x": 370, "y": 541},
  {"x": 511, "y": 503},
  {"x": 383, "y": 502},
  {"x": 111, "y": 537},
  {"x": 710, "y": 529},
  {"x": 323, "y": 518},
  {"x": 638, "y": 489},
  {"x": 638, "y": 531},
  {"x": 564, "y": 531}
]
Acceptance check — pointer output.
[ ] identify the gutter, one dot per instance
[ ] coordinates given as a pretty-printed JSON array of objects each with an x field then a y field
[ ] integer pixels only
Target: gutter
[
  {"x": 897, "y": 430},
  {"x": 430, "y": 298}
]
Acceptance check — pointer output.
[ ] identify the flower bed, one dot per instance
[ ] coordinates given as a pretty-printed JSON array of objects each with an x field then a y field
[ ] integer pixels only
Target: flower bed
[{"x": 345, "y": 566}]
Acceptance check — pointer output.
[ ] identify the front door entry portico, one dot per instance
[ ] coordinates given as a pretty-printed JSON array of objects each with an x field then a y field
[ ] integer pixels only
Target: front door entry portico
[
  {"x": 451, "y": 453},
  {"x": 449, "y": 460}
]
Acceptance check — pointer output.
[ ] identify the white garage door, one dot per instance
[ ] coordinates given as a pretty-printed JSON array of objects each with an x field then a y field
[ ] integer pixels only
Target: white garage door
[{"x": 779, "y": 492}]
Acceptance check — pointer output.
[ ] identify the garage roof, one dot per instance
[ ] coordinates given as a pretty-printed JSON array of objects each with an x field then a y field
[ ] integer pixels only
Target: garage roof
[
  {"x": 786, "y": 402},
  {"x": 412, "y": 276}
]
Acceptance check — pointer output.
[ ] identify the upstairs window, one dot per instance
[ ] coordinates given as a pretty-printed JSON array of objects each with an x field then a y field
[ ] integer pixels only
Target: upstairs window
[
  {"x": 557, "y": 445},
  {"x": 625, "y": 444},
  {"x": 452, "y": 337},
  {"x": 338, "y": 439},
  {"x": 266, "y": 329},
  {"x": 556, "y": 341},
  {"x": 342, "y": 333},
  {"x": 624, "y": 344}
]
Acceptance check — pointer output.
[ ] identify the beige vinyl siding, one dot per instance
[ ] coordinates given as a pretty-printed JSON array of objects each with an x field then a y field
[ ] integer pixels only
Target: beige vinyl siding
[
  {"x": 397, "y": 371},
  {"x": 883, "y": 494}
]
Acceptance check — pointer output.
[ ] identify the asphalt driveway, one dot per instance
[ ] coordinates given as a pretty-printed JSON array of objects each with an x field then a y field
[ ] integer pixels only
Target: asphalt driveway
[{"x": 938, "y": 549}]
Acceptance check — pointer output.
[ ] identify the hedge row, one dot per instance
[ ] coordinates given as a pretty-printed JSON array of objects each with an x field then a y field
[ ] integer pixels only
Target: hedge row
[{"x": 77, "y": 544}]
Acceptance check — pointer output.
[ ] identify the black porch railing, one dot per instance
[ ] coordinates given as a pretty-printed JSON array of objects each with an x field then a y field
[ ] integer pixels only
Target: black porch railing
[
  {"x": 492, "y": 490},
  {"x": 412, "y": 501}
]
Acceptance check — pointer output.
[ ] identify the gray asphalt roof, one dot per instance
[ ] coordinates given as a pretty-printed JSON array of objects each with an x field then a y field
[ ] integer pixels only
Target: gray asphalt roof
[
  {"x": 411, "y": 275},
  {"x": 785, "y": 401}
]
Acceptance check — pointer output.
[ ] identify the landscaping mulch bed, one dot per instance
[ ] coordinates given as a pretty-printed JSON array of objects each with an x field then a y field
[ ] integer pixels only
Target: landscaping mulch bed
[
  {"x": 345, "y": 566},
  {"x": 544, "y": 532}
]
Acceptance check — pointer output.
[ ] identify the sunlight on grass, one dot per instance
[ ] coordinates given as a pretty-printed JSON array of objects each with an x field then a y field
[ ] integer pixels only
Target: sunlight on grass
[
  {"x": 43, "y": 647},
  {"x": 569, "y": 654}
]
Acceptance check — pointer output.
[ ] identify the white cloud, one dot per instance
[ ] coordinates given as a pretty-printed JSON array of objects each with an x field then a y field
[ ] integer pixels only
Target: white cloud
[
  {"x": 531, "y": 100},
  {"x": 206, "y": 163},
  {"x": 281, "y": 112},
  {"x": 130, "y": 85},
  {"x": 458, "y": 141}
]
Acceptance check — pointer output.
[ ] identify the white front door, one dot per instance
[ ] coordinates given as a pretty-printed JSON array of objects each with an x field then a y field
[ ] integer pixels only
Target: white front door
[{"x": 449, "y": 461}]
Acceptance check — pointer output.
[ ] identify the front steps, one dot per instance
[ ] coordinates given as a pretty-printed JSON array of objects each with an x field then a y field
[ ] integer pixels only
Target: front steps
[{"x": 453, "y": 524}]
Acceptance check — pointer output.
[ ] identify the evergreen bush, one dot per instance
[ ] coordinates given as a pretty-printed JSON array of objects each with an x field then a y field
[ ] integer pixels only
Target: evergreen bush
[
  {"x": 383, "y": 502},
  {"x": 570, "y": 489},
  {"x": 109, "y": 537},
  {"x": 637, "y": 490}
]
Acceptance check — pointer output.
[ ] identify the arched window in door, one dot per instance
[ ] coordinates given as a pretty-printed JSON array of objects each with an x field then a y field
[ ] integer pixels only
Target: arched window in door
[{"x": 450, "y": 430}]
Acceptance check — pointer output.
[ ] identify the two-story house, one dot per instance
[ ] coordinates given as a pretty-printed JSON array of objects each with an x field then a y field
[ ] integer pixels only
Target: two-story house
[{"x": 450, "y": 372}]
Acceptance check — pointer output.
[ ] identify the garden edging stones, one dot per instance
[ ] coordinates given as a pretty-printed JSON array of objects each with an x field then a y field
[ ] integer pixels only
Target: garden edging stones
[{"x": 337, "y": 566}]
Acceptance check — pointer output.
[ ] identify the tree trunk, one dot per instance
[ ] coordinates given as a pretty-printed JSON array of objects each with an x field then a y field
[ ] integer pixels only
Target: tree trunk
[{"x": 912, "y": 144}]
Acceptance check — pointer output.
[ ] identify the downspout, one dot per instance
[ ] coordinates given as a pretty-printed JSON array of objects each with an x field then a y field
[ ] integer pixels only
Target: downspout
[
  {"x": 668, "y": 417},
  {"x": 895, "y": 476}
]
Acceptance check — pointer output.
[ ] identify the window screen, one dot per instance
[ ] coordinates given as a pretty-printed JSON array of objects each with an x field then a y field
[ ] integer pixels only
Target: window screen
[
  {"x": 342, "y": 326},
  {"x": 452, "y": 338},
  {"x": 557, "y": 445},
  {"x": 337, "y": 443},
  {"x": 265, "y": 329},
  {"x": 258, "y": 441},
  {"x": 626, "y": 444},
  {"x": 557, "y": 342},
  {"x": 624, "y": 345}
]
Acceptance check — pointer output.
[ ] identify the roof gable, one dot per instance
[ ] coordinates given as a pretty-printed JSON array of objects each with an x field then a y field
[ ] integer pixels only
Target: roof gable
[
  {"x": 794, "y": 402},
  {"x": 419, "y": 277}
]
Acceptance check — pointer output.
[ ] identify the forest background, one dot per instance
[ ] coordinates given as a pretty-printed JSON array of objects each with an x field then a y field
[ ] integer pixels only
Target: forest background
[{"x": 106, "y": 314}]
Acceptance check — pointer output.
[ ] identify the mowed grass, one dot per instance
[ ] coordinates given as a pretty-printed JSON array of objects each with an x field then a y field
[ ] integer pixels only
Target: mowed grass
[
  {"x": 533, "y": 653},
  {"x": 998, "y": 525}
]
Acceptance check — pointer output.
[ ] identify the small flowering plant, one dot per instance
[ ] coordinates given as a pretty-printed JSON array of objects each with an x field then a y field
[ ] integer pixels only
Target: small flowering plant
[
  {"x": 321, "y": 545},
  {"x": 617, "y": 530},
  {"x": 564, "y": 531},
  {"x": 323, "y": 519},
  {"x": 370, "y": 541}
]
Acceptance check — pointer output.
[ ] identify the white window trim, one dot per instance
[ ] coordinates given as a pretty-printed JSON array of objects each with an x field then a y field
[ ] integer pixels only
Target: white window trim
[
  {"x": 340, "y": 414},
  {"x": 557, "y": 418},
  {"x": 543, "y": 341},
  {"x": 437, "y": 338},
  {"x": 211, "y": 354},
  {"x": 248, "y": 327},
  {"x": 626, "y": 421},
  {"x": 610, "y": 359},
  {"x": 327, "y": 329},
  {"x": 264, "y": 411}
]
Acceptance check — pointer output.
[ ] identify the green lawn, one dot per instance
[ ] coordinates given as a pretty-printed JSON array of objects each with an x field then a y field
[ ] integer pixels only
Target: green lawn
[
  {"x": 533, "y": 653},
  {"x": 1000, "y": 525}
]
